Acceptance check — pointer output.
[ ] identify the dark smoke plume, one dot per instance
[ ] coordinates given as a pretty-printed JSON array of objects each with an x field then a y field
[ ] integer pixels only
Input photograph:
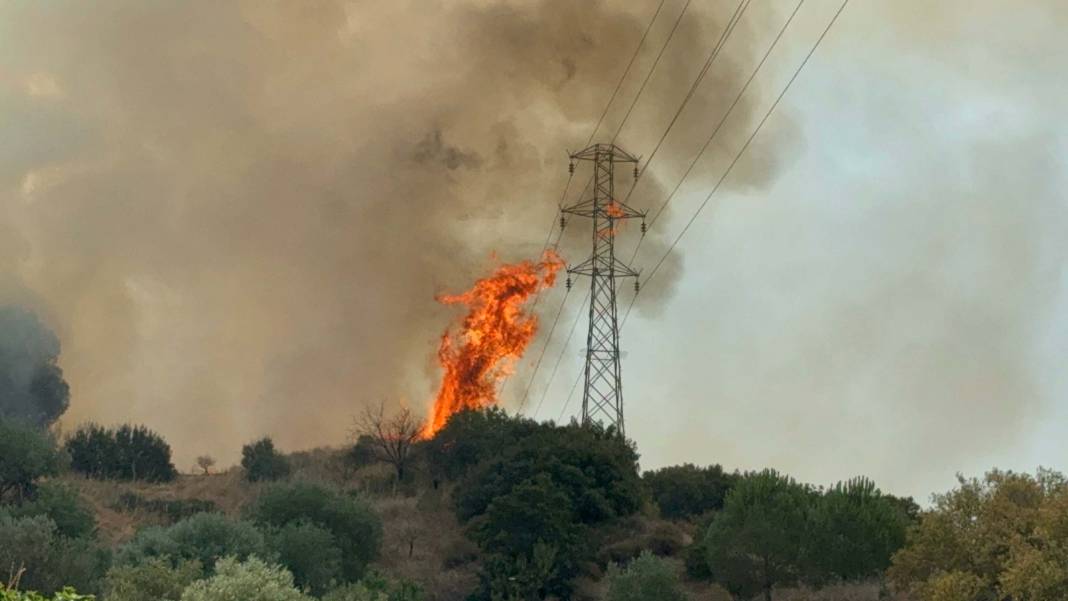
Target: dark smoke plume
[{"x": 32, "y": 388}]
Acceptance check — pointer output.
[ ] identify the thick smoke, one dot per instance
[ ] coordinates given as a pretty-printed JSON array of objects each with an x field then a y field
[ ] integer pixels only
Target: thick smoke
[
  {"x": 32, "y": 388},
  {"x": 238, "y": 214}
]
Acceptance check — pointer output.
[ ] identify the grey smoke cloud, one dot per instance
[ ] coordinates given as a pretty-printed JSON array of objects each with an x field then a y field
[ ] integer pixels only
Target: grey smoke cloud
[{"x": 238, "y": 215}]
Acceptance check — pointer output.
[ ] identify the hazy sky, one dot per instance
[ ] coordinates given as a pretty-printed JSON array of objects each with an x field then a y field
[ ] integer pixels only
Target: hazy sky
[{"x": 236, "y": 215}]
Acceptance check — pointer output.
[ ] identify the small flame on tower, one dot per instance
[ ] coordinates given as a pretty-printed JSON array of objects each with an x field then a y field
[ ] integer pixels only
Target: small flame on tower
[{"x": 482, "y": 352}]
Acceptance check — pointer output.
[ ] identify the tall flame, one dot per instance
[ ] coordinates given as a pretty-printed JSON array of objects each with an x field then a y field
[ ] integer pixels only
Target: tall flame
[{"x": 493, "y": 336}]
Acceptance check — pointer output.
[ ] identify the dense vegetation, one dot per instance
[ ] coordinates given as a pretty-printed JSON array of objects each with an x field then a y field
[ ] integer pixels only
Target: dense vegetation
[
  {"x": 127, "y": 452},
  {"x": 541, "y": 511}
]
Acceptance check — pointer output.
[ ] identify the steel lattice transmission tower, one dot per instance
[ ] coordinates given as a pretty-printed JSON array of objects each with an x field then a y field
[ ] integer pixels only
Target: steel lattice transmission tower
[{"x": 602, "y": 396}]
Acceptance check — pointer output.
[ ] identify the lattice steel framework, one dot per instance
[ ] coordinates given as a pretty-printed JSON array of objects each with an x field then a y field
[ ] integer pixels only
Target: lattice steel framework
[{"x": 602, "y": 397}]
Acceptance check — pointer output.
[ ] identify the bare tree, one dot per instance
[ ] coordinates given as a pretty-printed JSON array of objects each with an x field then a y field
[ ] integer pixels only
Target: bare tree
[
  {"x": 390, "y": 437},
  {"x": 206, "y": 462}
]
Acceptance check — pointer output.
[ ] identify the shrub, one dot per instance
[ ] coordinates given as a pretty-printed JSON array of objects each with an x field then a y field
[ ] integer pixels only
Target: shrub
[
  {"x": 62, "y": 504},
  {"x": 251, "y": 580},
  {"x": 375, "y": 587},
  {"x": 26, "y": 454},
  {"x": 647, "y": 578},
  {"x": 127, "y": 452},
  {"x": 32, "y": 388},
  {"x": 51, "y": 561},
  {"x": 154, "y": 580},
  {"x": 172, "y": 509},
  {"x": 310, "y": 553},
  {"x": 262, "y": 462},
  {"x": 356, "y": 529},
  {"x": 687, "y": 491},
  {"x": 67, "y": 594},
  {"x": 1004, "y": 536},
  {"x": 204, "y": 537}
]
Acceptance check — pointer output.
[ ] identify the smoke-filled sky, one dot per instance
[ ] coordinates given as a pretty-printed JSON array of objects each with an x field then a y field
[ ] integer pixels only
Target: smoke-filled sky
[{"x": 236, "y": 215}]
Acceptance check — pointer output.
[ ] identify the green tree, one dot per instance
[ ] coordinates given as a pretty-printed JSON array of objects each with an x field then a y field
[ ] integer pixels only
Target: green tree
[
  {"x": 32, "y": 388},
  {"x": 154, "y": 580},
  {"x": 686, "y": 491},
  {"x": 26, "y": 455},
  {"x": 262, "y": 462},
  {"x": 72, "y": 516},
  {"x": 67, "y": 594},
  {"x": 647, "y": 578},
  {"x": 853, "y": 531},
  {"x": 755, "y": 543},
  {"x": 473, "y": 436},
  {"x": 127, "y": 452},
  {"x": 204, "y": 537},
  {"x": 310, "y": 552},
  {"x": 356, "y": 528},
  {"x": 251, "y": 580}
]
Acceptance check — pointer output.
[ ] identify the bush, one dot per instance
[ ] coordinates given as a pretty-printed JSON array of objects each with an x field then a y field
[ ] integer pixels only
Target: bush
[
  {"x": 51, "y": 561},
  {"x": 67, "y": 594},
  {"x": 251, "y": 580},
  {"x": 155, "y": 580},
  {"x": 356, "y": 529},
  {"x": 375, "y": 587},
  {"x": 127, "y": 452},
  {"x": 62, "y": 504},
  {"x": 172, "y": 509},
  {"x": 26, "y": 454},
  {"x": 687, "y": 491},
  {"x": 647, "y": 578},
  {"x": 32, "y": 388},
  {"x": 1004, "y": 536},
  {"x": 310, "y": 553},
  {"x": 262, "y": 462},
  {"x": 204, "y": 537}
]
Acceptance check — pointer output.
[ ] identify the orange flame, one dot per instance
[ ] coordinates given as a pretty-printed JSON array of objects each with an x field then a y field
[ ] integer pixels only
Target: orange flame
[{"x": 493, "y": 336}]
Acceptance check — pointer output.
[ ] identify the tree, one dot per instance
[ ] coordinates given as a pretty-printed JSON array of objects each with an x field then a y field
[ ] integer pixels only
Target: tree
[
  {"x": 251, "y": 580},
  {"x": 206, "y": 462},
  {"x": 32, "y": 388},
  {"x": 355, "y": 527},
  {"x": 647, "y": 578},
  {"x": 127, "y": 452},
  {"x": 686, "y": 491},
  {"x": 1004, "y": 536},
  {"x": 474, "y": 436},
  {"x": 853, "y": 531},
  {"x": 154, "y": 580},
  {"x": 26, "y": 455},
  {"x": 204, "y": 537},
  {"x": 755, "y": 543},
  {"x": 262, "y": 462},
  {"x": 390, "y": 437},
  {"x": 531, "y": 505}
]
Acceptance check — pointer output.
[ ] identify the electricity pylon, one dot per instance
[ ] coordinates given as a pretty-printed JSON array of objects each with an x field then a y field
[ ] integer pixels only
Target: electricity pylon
[{"x": 602, "y": 396}]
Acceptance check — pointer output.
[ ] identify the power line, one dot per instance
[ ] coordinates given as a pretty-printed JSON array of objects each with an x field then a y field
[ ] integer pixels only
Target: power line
[
  {"x": 649, "y": 75},
  {"x": 634, "y": 56},
  {"x": 724, "y": 35},
  {"x": 719, "y": 125},
  {"x": 741, "y": 152},
  {"x": 560, "y": 356}
]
